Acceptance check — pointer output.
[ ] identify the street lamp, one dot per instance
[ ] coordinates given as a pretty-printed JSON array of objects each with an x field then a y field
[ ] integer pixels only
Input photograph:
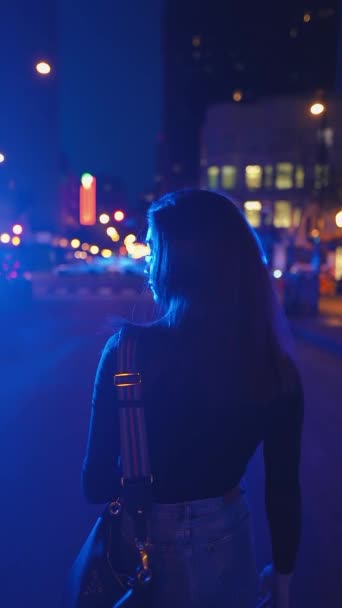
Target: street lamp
[
  {"x": 43, "y": 68},
  {"x": 338, "y": 219},
  {"x": 317, "y": 109}
]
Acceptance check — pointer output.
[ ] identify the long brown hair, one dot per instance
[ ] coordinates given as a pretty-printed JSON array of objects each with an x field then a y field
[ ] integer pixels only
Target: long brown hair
[{"x": 210, "y": 279}]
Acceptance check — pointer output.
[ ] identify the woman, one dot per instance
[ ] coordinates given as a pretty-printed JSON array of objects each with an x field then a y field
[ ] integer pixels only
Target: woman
[{"x": 218, "y": 380}]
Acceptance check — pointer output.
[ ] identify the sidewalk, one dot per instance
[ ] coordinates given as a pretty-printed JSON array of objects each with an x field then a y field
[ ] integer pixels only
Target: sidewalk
[{"x": 324, "y": 331}]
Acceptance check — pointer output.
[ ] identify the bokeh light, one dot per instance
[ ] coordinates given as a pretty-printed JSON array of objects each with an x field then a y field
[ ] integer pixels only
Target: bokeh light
[
  {"x": 106, "y": 253},
  {"x": 80, "y": 255},
  {"x": 104, "y": 218},
  {"x": 75, "y": 243},
  {"x": 129, "y": 239},
  {"x": 87, "y": 180},
  {"x": 338, "y": 219},
  {"x": 85, "y": 246},
  {"x": 111, "y": 231},
  {"x": 119, "y": 216},
  {"x": 277, "y": 274},
  {"x": 317, "y": 109},
  {"x": 43, "y": 68},
  {"x": 17, "y": 229},
  {"x": 16, "y": 240},
  {"x": 5, "y": 238},
  {"x": 2, "y": 157},
  {"x": 94, "y": 249},
  {"x": 63, "y": 242},
  {"x": 237, "y": 96}
]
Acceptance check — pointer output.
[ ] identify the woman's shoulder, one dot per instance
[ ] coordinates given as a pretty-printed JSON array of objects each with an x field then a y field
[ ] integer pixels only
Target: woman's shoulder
[{"x": 128, "y": 330}]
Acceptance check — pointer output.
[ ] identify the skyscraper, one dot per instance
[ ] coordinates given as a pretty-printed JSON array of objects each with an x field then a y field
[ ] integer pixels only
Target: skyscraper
[
  {"x": 217, "y": 50},
  {"x": 29, "y": 137}
]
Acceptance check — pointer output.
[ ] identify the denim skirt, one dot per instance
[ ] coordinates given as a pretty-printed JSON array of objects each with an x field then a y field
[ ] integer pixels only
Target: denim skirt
[{"x": 201, "y": 553}]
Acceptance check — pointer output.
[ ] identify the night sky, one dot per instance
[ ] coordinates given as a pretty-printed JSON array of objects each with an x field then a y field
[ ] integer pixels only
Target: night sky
[{"x": 110, "y": 68}]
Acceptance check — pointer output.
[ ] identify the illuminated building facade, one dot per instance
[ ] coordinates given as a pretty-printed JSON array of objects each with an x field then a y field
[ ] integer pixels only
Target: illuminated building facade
[
  {"x": 278, "y": 161},
  {"x": 217, "y": 51},
  {"x": 29, "y": 112}
]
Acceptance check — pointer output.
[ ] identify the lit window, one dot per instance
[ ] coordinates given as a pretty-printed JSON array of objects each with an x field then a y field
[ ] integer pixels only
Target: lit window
[
  {"x": 338, "y": 264},
  {"x": 228, "y": 177},
  {"x": 282, "y": 214},
  {"x": 299, "y": 176},
  {"x": 253, "y": 213},
  {"x": 268, "y": 176},
  {"x": 284, "y": 177},
  {"x": 297, "y": 214},
  {"x": 253, "y": 177},
  {"x": 213, "y": 177},
  {"x": 321, "y": 176}
]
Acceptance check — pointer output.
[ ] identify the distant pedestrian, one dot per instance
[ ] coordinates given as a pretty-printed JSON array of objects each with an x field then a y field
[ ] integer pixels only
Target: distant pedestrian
[{"x": 219, "y": 379}]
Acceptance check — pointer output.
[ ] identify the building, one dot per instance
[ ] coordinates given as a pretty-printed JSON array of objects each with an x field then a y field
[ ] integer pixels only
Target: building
[
  {"x": 216, "y": 51},
  {"x": 29, "y": 112},
  {"x": 280, "y": 163}
]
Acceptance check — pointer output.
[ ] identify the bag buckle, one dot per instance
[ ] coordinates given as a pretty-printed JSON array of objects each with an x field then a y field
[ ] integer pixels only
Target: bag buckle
[{"x": 127, "y": 379}]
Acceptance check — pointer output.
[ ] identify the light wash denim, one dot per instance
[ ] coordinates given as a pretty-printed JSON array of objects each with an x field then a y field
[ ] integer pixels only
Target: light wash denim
[{"x": 201, "y": 554}]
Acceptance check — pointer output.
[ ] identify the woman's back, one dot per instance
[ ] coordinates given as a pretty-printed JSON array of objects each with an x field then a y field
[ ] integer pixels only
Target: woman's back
[{"x": 216, "y": 383}]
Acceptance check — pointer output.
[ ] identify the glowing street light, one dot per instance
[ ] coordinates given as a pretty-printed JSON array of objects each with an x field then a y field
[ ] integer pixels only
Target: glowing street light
[
  {"x": 87, "y": 180},
  {"x": 119, "y": 216},
  {"x": 338, "y": 219},
  {"x": 237, "y": 96},
  {"x": 5, "y": 238},
  {"x": 104, "y": 218},
  {"x": 129, "y": 239},
  {"x": 106, "y": 253},
  {"x": 111, "y": 231},
  {"x": 17, "y": 229},
  {"x": 317, "y": 109},
  {"x": 43, "y": 68},
  {"x": 2, "y": 158}
]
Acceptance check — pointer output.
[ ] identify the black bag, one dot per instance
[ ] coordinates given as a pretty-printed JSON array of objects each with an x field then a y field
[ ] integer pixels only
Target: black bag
[{"x": 109, "y": 572}]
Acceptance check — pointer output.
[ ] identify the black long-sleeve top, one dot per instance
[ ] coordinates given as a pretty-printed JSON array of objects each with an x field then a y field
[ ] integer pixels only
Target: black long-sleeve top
[{"x": 200, "y": 439}]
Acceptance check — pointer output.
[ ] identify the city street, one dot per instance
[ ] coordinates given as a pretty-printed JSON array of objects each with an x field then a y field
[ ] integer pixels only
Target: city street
[{"x": 48, "y": 361}]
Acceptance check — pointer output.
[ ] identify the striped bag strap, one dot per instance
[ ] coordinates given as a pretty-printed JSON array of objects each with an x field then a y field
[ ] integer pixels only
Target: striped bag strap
[{"x": 135, "y": 459}]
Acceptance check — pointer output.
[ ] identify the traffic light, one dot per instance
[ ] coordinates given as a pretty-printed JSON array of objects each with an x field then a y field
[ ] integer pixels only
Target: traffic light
[{"x": 88, "y": 200}]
